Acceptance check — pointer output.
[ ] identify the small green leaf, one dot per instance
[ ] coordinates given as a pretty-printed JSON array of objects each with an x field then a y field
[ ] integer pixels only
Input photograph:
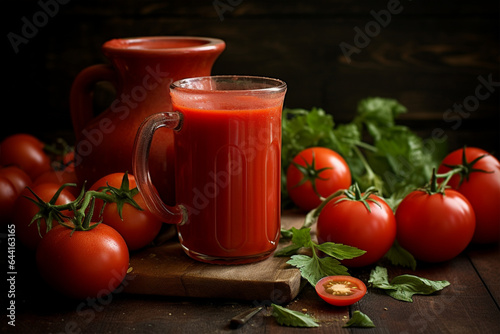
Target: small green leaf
[
  {"x": 300, "y": 238},
  {"x": 313, "y": 268},
  {"x": 286, "y": 317},
  {"x": 379, "y": 278},
  {"x": 339, "y": 251},
  {"x": 346, "y": 136},
  {"x": 409, "y": 285},
  {"x": 403, "y": 287},
  {"x": 359, "y": 319},
  {"x": 399, "y": 256},
  {"x": 286, "y": 234},
  {"x": 288, "y": 250}
]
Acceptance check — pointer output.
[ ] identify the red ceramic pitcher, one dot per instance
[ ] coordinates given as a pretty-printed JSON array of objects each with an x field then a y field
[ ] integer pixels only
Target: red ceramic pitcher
[{"x": 141, "y": 72}]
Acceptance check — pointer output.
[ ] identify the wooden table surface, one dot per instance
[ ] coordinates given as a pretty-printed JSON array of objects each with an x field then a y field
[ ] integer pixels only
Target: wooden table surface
[{"x": 469, "y": 305}]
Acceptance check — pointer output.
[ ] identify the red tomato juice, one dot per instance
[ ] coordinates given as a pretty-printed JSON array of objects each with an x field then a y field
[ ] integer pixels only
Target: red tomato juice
[{"x": 228, "y": 158}]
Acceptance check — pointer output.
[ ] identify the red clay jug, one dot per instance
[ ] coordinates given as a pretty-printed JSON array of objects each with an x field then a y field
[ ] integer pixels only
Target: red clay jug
[{"x": 141, "y": 72}]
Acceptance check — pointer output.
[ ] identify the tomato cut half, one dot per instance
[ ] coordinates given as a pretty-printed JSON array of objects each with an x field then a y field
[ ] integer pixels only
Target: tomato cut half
[{"x": 340, "y": 290}]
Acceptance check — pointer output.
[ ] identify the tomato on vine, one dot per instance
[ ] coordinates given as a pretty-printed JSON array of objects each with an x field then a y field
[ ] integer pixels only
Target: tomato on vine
[
  {"x": 59, "y": 177},
  {"x": 26, "y": 152},
  {"x": 83, "y": 263},
  {"x": 435, "y": 224},
  {"x": 8, "y": 196},
  {"x": 34, "y": 212},
  {"x": 361, "y": 220},
  {"x": 478, "y": 180},
  {"x": 78, "y": 257},
  {"x": 114, "y": 180},
  {"x": 126, "y": 212},
  {"x": 13, "y": 180},
  {"x": 314, "y": 174},
  {"x": 18, "y": 177}
]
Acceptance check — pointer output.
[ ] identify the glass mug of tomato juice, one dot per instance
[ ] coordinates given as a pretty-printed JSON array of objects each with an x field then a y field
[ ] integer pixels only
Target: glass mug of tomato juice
[{"x": 227, "y": 140}]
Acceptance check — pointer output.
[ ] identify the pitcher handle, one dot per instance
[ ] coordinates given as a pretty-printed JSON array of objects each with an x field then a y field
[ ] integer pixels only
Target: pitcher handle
[
  {"x": 82, "y": 91},
  {"x": 176, "y": 214}
]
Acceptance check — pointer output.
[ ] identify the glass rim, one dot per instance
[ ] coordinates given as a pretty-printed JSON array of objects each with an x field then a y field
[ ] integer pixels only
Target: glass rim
[{"x": 275, "y": 85}]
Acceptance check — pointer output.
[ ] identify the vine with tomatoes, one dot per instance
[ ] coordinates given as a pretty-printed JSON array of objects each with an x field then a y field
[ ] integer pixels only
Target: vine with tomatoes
[
  {"x": 81, "y": 239},
  {"x": 358, "y": 193},
  {"x": 320, "y": 158}
]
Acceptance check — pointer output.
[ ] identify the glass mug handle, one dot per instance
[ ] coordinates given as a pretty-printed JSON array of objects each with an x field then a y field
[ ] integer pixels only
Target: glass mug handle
[{"x": 172, "y": 120}]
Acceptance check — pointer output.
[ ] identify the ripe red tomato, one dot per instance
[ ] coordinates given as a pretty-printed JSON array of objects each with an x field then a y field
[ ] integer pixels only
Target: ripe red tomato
[
  {"x": 18, "y": 177},
  {"x": 138, "y": 228},
  {"x": 340, "y": 290},
  {"x": 83, "y": 264},
  {"x": 8, "y": 196},
  {"x": 26, "y": 152},
  {"x": 316, "y": 171},
  {"x": 60, "y": 177},
  {"x": 25, "y": 210},
  {"x": 480, "y": 188},
  {"x": 13, "y": 180},
  {"x": 69, "y": 161},
  {"x": 350, "y": 223},
  {"x": 435, "y": 227},
  {"x": 113, "y": 180}
]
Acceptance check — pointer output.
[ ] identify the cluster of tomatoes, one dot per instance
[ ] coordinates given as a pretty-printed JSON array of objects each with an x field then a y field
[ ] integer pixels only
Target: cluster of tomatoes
[
  {"x": 81, "y": 238},
  {"x": 434, "y": 224}
]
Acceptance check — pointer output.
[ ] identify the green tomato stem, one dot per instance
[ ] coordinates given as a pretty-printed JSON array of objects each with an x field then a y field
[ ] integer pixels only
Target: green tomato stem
[{"x": 434, "y": 188}]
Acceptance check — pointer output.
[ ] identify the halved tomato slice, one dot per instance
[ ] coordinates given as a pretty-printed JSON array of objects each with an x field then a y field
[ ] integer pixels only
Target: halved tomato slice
[{"x": 340, "y": 290}]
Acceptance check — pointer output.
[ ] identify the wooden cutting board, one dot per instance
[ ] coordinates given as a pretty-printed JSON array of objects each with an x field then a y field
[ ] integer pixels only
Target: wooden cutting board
[{"x": 165, "y": 270}]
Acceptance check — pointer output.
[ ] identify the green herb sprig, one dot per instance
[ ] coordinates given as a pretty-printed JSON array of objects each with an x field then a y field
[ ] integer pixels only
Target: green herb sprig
[
  {"x": 403, "y": 287},
  {"x": 313, "y": 268},
  {"x": 359, "y": 319},
  {"x": 287, "y": 317}
]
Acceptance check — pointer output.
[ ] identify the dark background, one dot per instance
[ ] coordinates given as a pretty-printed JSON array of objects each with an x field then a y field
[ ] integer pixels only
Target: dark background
[{"x": 429, "y": 56}]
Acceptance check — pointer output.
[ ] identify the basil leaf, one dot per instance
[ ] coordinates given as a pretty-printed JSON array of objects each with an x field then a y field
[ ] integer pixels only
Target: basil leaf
[
  {"x": 409, "y": 285},
  {"x": 286, "y": 317},
  {"x": 287, "y": 251},
  {"x": 359, "y": 319},
  {"x": 403, "y": 287},
  {"x": 399, "y": 256},
  {"x": 340, "y": 251},
  {"x": 314, "y": 268},
  {"x": 379, "y": 278},
  {"x": 300, "y": 238}
]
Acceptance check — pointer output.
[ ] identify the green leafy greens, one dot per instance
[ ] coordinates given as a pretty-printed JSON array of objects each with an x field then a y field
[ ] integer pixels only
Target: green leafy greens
[
  {"x": 399, "y": 256},
  {"x": 379, "y": 152},
  {"x": 286, "y": 317},
  {"x": 403, "y": 287},
  {"x": 313, "y": 268},
  {"x": 359, "y": 319}
]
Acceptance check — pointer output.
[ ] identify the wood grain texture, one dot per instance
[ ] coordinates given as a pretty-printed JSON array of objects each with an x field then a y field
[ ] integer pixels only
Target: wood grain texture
[
  {"x": 166, "y": 270},
  {"x": 468, "y": 305}
]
